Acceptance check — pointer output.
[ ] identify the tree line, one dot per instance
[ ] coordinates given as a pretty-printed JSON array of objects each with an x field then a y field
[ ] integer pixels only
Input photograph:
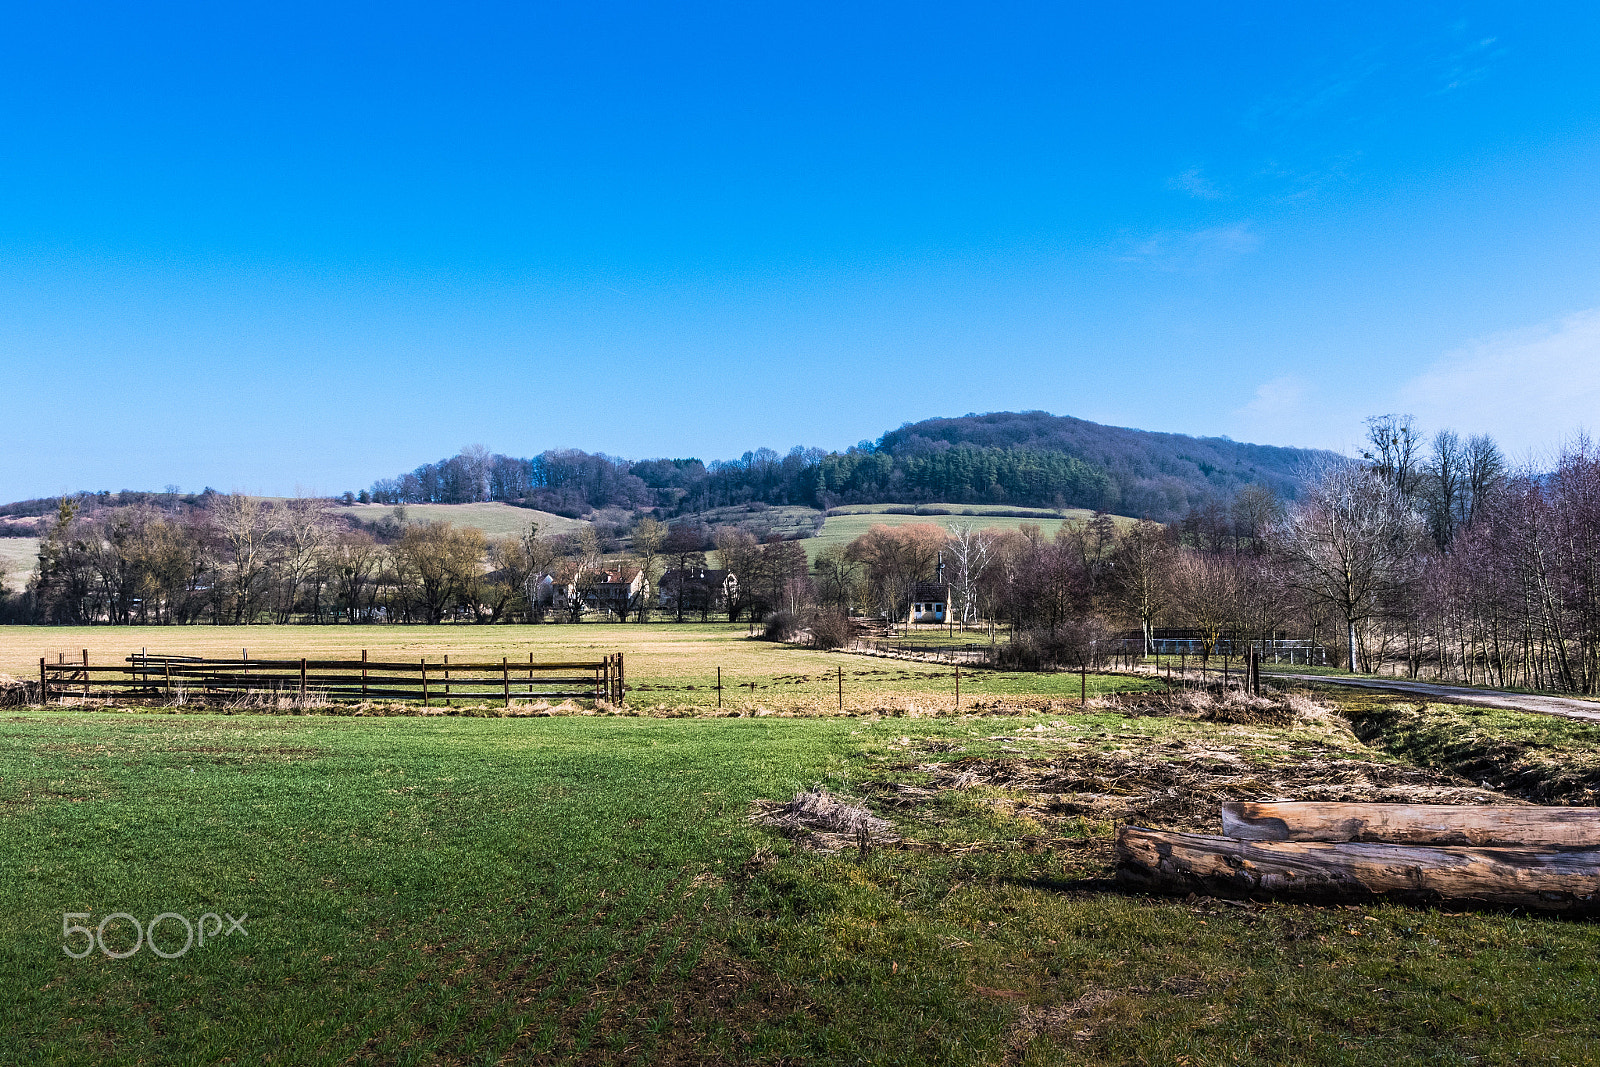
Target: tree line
[
  {"x": 1430, "y": 558},
  {"x": 239, "y": 559}
]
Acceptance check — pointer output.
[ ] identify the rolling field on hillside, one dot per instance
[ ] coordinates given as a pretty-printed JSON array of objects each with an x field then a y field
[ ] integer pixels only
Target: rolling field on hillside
[
  {"x": 842, "y": 529},
  {"x": 494, "y": 519},
  {"x": 786, "y": 521},
  {"x": 18, "y": 555},
  {"x": 962, "y": 510}
]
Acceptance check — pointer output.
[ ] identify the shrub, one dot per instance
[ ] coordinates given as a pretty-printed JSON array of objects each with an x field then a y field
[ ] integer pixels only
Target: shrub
[
  {"x": 830, "y": 629},
  {"x": 1078, "y": 643},
  {"x": 780, "y": 626}
]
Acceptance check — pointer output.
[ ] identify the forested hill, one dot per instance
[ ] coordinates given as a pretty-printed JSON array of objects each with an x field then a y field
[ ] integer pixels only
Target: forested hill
[
  {"x": 1029, "y": 458},
  {"x": 1160, "y": 474}
]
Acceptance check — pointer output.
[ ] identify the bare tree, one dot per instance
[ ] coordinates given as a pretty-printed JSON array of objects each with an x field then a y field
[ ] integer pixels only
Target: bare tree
[
  {"x": 685, "y": 546},
  {"x": 897, "y": 558},
  {"x": 1143, "y": 575},
  {"x": 540, "y": 555},
  {"x": 1444, "y": 485},
  {"x": 1206, "y": 588},
  {"x": 1351, "y": 543},
  {"x": 440, "y": 564},
  {"x": 247, "y": 525},
  {"x": 354, "y": 559},
  {"x": 1485, "y": 472},
  {"x": 838, "y": 578},
  {"x": 738, "y": 553},
  {"x": 648, "y": 538},
  {"x": 305, "y": 531},
  {"x": 971, "y": 551},
  {"x": 1395, "y": 452},
  {"x": 1255, "y": 507}
]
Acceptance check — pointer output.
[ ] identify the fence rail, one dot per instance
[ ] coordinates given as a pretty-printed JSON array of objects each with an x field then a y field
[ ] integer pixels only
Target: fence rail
[
  {"x": 163, "y": 676},
  {"x": 971, "y": 655},
  {"x": 1296, "y": 651}
]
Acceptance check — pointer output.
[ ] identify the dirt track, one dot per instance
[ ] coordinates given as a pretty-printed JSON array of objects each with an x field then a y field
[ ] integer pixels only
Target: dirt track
[{"x": 1565, "y": 707}]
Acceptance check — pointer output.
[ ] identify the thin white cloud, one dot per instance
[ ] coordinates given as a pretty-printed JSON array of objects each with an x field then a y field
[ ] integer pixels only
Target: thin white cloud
[
  {"x": 1193, "y": 250},
  {"x": 1284, "y": 396},
  {"x": 1194, "y": 182},
  {"x": 1467, "y": 65},
  {"x": 1283, "y": 411},
  {"x": 1532, "y": 389}
]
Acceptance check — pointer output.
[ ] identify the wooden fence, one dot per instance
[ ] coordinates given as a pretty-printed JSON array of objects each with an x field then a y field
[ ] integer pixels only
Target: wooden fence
[{"x": 165, "y": 677}]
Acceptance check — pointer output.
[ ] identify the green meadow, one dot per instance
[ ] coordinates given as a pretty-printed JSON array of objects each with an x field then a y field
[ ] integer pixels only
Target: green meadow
[{"x": 590, "y": 888}]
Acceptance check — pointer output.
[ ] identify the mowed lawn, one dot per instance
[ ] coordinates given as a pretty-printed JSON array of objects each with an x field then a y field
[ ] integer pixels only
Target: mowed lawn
[
  {"x": 668, "y": 665},
  {"x": 592, "y": 890}
]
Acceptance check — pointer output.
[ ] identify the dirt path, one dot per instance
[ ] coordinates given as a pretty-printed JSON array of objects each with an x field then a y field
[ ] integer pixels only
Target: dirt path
[{"x": 1566, "y": 707}]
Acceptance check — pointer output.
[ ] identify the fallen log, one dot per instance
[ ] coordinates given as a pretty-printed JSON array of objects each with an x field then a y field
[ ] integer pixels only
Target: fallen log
[
  {"x": 1169, "y": 862},
  {"x": 1415, "y": 824}
]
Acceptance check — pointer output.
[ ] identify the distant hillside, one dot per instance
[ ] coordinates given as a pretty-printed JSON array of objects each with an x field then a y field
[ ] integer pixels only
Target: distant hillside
[
  {"x": 1007, "y": 459},
  {"x": 1014, "y": 459},
  {"x": 1160, "y": 474}
]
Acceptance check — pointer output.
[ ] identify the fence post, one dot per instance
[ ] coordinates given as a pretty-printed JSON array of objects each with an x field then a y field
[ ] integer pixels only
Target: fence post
[
  {"x": 44, "y": 684},
  {"x": 505, "y": 680},
  {"x": 302, "y": 678},
  {"x": 86, "y": 673},
  {"x": 622, "y": 689},
  {"x": 424, "y": 662},
  {"x": 166, "y": 671},
  {"x": 719, "y": 688},
  {"x": 363, "y": 674}
]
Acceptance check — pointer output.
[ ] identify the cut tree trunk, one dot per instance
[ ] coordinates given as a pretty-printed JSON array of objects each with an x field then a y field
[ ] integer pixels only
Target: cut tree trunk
[
  {"x": 1175, "y": 862},
  {"x": 1415, "y": 824}
]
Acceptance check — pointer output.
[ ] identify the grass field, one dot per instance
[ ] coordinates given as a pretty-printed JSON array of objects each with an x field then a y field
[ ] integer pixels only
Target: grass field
[
  {"x": 847, "y": 523},
  {"x": 787, "y": 521},
  {"x": 494, "y": 519},
  {"x": 1541, "y": 757},
  {"x": 963, "y": 510},
  {"x": 18, "y": 556},
  {"x": 592, "y": 890},
  {"x": 668, "y": 665}
]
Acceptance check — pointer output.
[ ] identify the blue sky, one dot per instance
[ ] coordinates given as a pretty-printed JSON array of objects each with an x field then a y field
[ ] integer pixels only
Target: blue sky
[{"x": 311, "y": 246}]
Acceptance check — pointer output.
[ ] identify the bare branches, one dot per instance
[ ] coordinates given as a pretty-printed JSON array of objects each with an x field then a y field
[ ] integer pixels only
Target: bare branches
[{"x": 1351, "y": 543}]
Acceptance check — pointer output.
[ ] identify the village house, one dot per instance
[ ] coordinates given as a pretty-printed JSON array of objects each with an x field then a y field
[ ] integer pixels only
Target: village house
[
  {"x": 614, "y": 591},
  {"x": 702, "y": 589},
  {"x": 930, "y": 601}
]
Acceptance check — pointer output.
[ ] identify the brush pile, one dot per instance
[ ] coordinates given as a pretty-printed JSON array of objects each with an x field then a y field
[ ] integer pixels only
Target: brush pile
[{"x": 819, "y": 820}]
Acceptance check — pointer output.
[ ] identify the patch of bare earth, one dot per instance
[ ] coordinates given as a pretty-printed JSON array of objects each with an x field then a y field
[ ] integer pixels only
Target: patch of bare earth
[{"x": 1180, "y": 783}]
